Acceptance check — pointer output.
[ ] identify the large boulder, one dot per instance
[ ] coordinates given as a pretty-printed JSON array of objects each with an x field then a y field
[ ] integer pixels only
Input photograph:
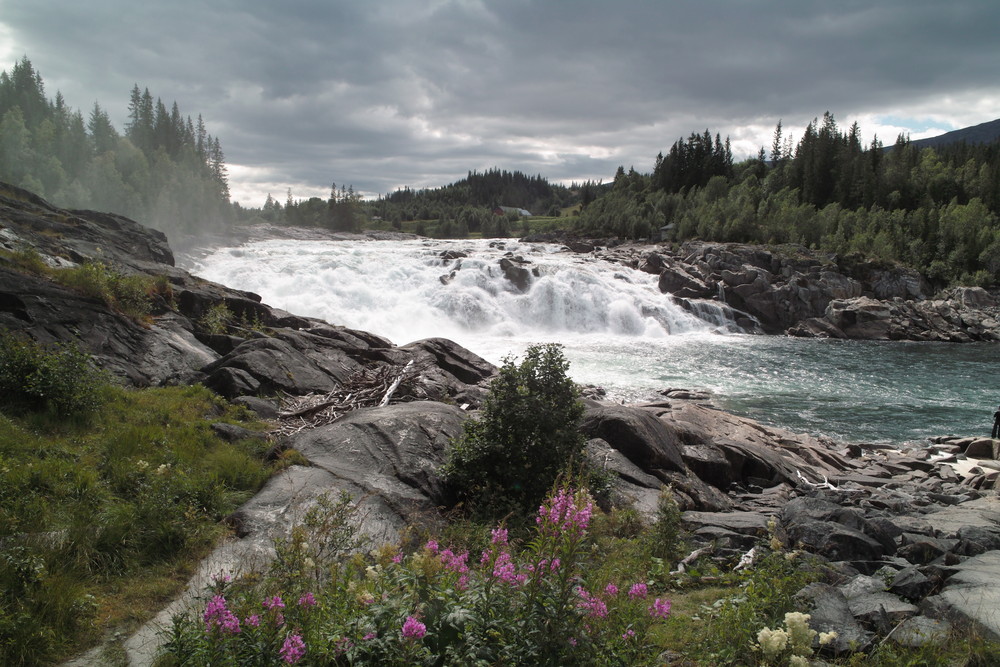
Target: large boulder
[
  {"x": 390, "y": 452},
  {"x": 638, "y": 435}
]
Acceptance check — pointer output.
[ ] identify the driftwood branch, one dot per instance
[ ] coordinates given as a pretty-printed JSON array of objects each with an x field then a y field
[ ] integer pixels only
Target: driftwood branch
[
  {"x": 747, "y": 559},
  {"x": 690, "y": 558},
  {"x": 369, "y": 387},
  {"x": 395, "y": 385}
]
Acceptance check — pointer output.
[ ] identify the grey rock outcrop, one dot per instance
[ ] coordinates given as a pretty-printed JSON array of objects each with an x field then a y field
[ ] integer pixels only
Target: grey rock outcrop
[{"x": 795, "y": 290}]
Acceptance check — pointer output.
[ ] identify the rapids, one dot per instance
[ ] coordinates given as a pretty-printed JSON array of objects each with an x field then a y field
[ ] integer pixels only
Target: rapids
[{"x": 619, "y": 332}]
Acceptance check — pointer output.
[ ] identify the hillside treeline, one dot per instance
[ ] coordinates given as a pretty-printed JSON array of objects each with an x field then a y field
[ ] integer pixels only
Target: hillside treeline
[
  {"x": 164, "y": 169},
  {"x": 456, "y": 210},
  {"x": 935, "y": 209}
]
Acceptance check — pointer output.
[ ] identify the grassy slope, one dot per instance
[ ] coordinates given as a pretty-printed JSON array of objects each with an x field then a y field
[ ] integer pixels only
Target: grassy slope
[{"x": 103, "y": 518}]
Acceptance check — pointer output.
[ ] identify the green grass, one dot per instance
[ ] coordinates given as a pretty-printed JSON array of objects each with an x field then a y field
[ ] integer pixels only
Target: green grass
[{"x": 103, "y": 519}]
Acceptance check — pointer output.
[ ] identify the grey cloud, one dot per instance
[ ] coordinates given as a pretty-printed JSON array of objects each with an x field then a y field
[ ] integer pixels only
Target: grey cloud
[{"x": 407, "y": 92}]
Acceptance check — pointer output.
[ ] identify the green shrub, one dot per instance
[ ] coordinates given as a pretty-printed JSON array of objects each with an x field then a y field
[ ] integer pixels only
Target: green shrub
[
  {"x": 665, "y": 536},
  {"x": 60, "y": 378},
  {"x": 526, "y": 436},
  {"x": 128, "y": 294},
  {"x": 217, "y": 319}
]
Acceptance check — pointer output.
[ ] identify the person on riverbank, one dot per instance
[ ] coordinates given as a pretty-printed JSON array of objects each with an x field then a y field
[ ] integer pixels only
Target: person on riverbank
[{"x": 996, "y": 423}]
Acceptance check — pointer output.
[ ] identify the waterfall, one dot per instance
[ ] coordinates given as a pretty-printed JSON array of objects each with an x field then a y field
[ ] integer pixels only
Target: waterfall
[{"x": 406, "y": 290}]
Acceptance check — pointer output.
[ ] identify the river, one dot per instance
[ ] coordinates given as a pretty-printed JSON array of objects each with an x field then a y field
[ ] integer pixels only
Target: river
[{"x": 619, "y": 332}]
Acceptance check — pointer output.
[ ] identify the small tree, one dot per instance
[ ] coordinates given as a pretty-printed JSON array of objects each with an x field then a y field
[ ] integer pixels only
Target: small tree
[{"x": 527, "y": 434}]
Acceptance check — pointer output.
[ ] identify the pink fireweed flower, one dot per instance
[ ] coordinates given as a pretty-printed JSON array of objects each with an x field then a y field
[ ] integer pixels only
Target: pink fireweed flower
[
  {"x": 217, "y": 615},
  {"x": 413, "y": 629},
  {"x": 431, "y": 546},
  {"x": 397, "y": 559},
  {"x": 292, "y": 649},
  {"x": 611, "y": 590},
  {"x": 370, "y": 635},
  {"x": 498, "y": 536},
  {"x": 253, "y": 620},
  {"x": 593, "y": 605},
  {"x": 274, "y": 603},
  {"x": 554, "y": 565},
  {"x": 637, "y": 591},
  {"x": 455, "y": 563},
  {"x": 660, "y": 608},
  {"x": 505, "y": 570},
  {"x": 565, "y": 513},
  {"x": 628, "y": 634},
  {"x": 307, "y": 600}
]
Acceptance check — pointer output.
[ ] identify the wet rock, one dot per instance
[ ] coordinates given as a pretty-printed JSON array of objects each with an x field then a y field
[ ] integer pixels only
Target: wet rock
[{"x": 518, "y": 275}]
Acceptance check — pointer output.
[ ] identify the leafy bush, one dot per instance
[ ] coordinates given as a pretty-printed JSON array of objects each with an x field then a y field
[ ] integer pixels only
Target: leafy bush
[
  {"x": 128, "y": 294},
  {"x": 531, "y": 605},
  {"x": 527, "y": 434},
  {"x": 59, "y": 378}
]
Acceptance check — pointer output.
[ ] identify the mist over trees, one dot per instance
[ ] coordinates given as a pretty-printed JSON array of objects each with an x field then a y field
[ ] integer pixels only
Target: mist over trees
[
  {"x": 163, "y": 170},
  {"x": 935, "y": 209}
]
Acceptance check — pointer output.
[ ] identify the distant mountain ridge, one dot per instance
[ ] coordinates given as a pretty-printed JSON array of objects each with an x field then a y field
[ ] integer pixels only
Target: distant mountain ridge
[{"x": 984, "y": 133}]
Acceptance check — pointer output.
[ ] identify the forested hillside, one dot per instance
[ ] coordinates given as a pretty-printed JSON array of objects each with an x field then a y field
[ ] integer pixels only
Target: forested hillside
[
  {"x": 459, "y": 209},
  {"x": 934, "y": 208},
  {"x": 164, "y": 169}
]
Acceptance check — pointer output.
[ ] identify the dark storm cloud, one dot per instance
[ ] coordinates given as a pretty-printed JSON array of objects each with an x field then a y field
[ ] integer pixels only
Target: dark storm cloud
[{"x": 383, "y": 94}]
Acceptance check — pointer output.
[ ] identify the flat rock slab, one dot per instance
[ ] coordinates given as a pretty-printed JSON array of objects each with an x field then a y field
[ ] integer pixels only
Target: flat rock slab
[
  {"x": 973, "y": 592},
  {"x": 745, "y": 523},
  {"x": 921, "y": 631},
  {"x": 983, "y": 512}
]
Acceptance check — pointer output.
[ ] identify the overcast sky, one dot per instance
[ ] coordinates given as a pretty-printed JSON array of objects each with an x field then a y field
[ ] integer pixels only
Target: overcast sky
[{"x": 383, "y": 94}]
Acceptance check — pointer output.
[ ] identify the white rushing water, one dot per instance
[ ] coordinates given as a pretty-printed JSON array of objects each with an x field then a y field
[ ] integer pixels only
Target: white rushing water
[
  {"x": 405, "y": 291},
  {"x": 619, "y": 332}
]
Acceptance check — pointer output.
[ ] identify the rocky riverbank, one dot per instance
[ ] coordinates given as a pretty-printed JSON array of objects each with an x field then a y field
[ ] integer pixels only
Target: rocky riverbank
[
  {"x": 913, "y": 531},
  {"x": 795, "y": 291}
]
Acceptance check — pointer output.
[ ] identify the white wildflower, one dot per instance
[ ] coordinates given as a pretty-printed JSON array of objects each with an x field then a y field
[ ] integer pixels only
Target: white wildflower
[
  {"x": 772, "y": 642},
  {"x": 827, "y": 637},
  {"x": 799, "y": 632}
]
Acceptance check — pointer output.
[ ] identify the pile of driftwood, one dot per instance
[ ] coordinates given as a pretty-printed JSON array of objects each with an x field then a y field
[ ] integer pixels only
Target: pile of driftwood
[{"x": 365, "y": 389}]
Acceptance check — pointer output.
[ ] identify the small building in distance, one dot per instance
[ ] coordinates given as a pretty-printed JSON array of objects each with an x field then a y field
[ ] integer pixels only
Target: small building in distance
[{"x": 502, "y": 210}]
